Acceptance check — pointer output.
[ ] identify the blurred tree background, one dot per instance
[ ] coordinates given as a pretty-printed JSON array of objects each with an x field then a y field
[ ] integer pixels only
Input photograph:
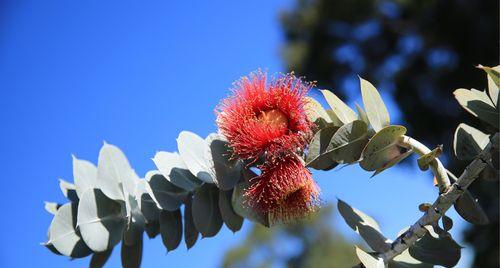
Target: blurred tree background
[{"x": 418, "y": 53}]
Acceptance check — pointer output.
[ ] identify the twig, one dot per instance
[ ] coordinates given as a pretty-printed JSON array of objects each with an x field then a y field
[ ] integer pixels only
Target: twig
[
  {"x": 436, "y": 165},
  {"x": 444, "y": 201}
]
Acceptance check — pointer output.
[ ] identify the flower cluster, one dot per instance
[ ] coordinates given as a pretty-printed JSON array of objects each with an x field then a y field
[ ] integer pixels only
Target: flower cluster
[{"x": 266, "y": 124}]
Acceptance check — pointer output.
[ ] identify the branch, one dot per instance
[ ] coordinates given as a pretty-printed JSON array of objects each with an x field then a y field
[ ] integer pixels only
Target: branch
[
  {"x": 445, "y": 199},
  {"x": 436, "y": 165}
]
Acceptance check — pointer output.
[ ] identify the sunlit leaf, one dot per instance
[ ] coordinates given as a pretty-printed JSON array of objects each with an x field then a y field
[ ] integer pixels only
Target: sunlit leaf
[
  {"x": 175, "y": 170},
  {"x": 375, "y": 108},
  {"x": 84, "y": 175},
  {"x": 479, "y": 104},
  {"x": 340, "y": 109},
  {"x": 368, "y": 260},
  {"x": 193, "y": 150}
]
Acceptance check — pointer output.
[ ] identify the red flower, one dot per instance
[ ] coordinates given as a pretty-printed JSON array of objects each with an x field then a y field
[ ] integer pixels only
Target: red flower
[
  {"x": 285, "y": 189},
  {"x": 265, "y": 116}
]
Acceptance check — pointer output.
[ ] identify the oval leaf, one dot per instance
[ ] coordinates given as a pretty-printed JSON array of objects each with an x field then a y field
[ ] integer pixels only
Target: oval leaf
[
  {"x": 382, "y": 148},
  {"x": 166, "y": 195},
  {"x": 206, "y": 213},
  {"x": 84, "y": 175},
  {"x": 63, "y": 235},
  {"x": 233, "y": 221},
  {"x": 436, "y": 250},
  {"x": 175, "y": 170},
  {"x": 101, "y": 220},
  {"x": 469, "y": 142},
  {"x": 339, "y": 108},
  {"x": 171, "y": 228},
  {"x": 348, "y": 142},
  {"x": 193, "y": 149},
  {"x": 316, "y": 157},
  {"x": 227, "y": 172},
  {"x": 190, "y": 232},
  {"x": 112, "y": 168},
  {"x": 375, "y": 108},
  {"x": 99, "y": 259},
  {"x": 470, "y": 209}
]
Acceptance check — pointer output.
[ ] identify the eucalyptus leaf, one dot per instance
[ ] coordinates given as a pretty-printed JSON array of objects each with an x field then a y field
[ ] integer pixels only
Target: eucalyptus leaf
[
  {"x": 166, "y": 195},
  {"x": 365, "y": 226},
  {"x": 368, "y": 260},
  {"x": 171, "y": 228},
  {"x": 99, "y": 259},
  {"x": 315, "y": 111},
  {"x": 206, "y": 213},
  {"x": 469, "y": 142},
  {"x": 112, "y": 169},
  {"x": 478, "y": 104},
  {"x": 175, "y": 170},
  {"x": 101, "y": 220},
  {"x": 69, "y": 190},
  {"x": 470, "y": 210},
  {"x": 375, "y": 108},
  {"x": 131, "y": 254},
  {"x": 146, "y": 204},
  {"x": 339, "y": 108},
  {"x": 348, "y": 142},
  {"x": 241, "y": 208},
  {"x": 193, "y": 149},
  {"x": 405, "y": 260},
  {"x": 190, "y": 232},
  {"x": 493, "y": 82},
  {"x": 362, "y": 114},
  {"x": 84, "y": 175},
  {"x": 383, "y": 148},
  {"x": 316, "y": 157},
  {"x": 63, "y": 234},
  {"x": 227, "y": 171},
  {"x": 392, "y": 162},
  {"x": 232, "y": 220},
  {"x": 52, "y": 207},
  {"x": 436, "y": 250},
  {"x": 152, "y": 228}
]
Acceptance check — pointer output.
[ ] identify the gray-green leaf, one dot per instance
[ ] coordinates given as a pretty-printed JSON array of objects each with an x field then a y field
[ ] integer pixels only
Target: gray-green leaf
[
  {"x": 375, "y": 108},
  {"x": 101, "y": 220},
  {"x": 206, "y": 212},
  {"x": 469, "y": 142},
  {"x": 233, "y": 221},
  {"x": 171, "y": 228},
  {"x": 175, "y": 170},
  {"x": 339, "y": 108}
]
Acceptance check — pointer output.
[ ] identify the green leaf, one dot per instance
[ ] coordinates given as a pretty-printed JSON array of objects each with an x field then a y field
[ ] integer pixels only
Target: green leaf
[
  {"x": 63, "y": 234},
  {"x": 99, "y": 259},
  {"x": 392, "y": 162},
  {"x": 368, "y": 260},
  {"x": 382, "y": 150},
  {"x": 470, "y": 210},
  {"x": 365, "y": 226},
  {"x": 405, "y": 260},
  {"x": 101, "y": 220},
  {"x": 436, "y": 250},
  {"x": 113, "y": 172},
  {"x": 69, "y": 190},
  {"x": 166, "y": 195},
  {"x": 146, "y": 204},
  {"x": 227, "y": 171},
  {"x": 190, "y": 232},
  {"x": 316, "y": 157},
  {"x": 375, "y": 108},
  {"x": 52, "y": 207},
  {"x": 232, "y": 220},
  {"x": 175, "y": 171},
  {"x": 239, "y": 205},
  {"x": 348, "y": 142},
  {"x": 171, "y": 228},
  {"x": 493, "y": 82},
  {"x": 362, "y": 114},
  {"x": 478, "y": 104},
  {"x": 131, "y": 253},
  {"x": 315, "y": 111},
  {"x": 339, "y": 108},
  {"x": 206, "y": 213},
  {"x": 152, "y": 228},
  {"x": 84, "y": 175},
  {"x": 425, "y": 160},
  {"x": 193, "y": 150},
  {"x": 469, "y": 142}
]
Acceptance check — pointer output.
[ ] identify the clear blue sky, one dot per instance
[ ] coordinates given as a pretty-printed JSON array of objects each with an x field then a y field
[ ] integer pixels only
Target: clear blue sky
[{"x": 135, "y": 75}]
